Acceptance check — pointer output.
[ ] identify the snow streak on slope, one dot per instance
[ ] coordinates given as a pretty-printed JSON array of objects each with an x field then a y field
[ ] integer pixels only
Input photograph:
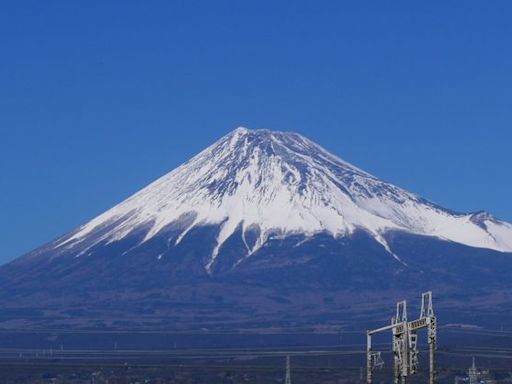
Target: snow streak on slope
[{"x": 283, "y": 183}]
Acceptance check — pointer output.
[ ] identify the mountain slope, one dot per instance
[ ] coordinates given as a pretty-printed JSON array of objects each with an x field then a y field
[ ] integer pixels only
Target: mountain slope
[
  {"x": 259, "y": 228},
  {"x": 273, "y": 182}
]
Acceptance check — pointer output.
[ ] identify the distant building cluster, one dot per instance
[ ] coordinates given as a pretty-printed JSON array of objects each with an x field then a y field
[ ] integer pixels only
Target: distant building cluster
[{"x": 476, "y": 376}]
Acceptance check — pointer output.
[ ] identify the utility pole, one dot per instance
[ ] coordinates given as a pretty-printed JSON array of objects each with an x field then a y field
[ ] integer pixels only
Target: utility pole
[
  {"x": 288, "y": 378},
  {"x": 405, "y": 342}
]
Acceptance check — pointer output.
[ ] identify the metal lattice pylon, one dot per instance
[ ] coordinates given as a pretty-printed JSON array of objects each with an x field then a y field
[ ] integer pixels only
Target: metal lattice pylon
[{"x": 405, "y": 342}]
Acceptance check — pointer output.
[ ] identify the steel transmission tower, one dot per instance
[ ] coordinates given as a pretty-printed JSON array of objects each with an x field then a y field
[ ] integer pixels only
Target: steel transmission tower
[
  {"x": 473, "y": 373},
  {"x": 405, "y": 342}
]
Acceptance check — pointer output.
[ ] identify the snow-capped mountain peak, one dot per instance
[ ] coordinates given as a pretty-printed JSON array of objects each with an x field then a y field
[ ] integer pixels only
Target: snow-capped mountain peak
[{"x": 283, "y": 183}]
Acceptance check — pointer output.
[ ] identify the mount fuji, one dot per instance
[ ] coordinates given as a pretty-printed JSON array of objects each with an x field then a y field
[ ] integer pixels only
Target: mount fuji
[{"x": 260, "y": 228}]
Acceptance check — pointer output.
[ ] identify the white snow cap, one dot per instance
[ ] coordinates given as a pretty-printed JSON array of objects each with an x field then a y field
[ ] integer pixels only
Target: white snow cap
[{"x": 282, "y": 182}]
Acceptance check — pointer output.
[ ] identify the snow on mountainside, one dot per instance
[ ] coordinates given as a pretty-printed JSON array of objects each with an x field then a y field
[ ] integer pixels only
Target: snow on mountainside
[{"x": 282, "y": 183}]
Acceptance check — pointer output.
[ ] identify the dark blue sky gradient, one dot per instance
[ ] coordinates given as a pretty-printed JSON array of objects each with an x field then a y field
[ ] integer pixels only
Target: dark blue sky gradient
[{"x": 99, "y": 98}]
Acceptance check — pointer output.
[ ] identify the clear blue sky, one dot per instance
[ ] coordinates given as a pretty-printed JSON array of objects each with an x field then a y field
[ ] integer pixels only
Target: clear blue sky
[{"x": 98, "y": 98}]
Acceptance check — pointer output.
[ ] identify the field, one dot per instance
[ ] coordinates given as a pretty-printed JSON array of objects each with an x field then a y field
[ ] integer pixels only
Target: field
[{"x": 110, "y": 357}]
